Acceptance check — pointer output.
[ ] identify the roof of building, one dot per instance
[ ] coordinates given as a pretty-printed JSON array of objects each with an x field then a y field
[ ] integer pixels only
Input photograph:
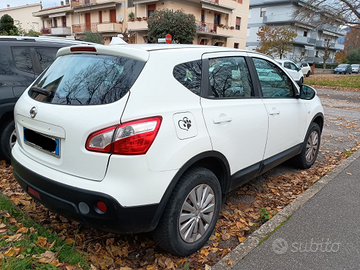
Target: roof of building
[{"x": 20, "y": 7}]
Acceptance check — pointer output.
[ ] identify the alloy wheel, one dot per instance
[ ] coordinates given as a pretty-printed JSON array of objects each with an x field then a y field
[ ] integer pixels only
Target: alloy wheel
[
  {"x": 312, "y": 146},
  {"x": 197, "y": 213}
]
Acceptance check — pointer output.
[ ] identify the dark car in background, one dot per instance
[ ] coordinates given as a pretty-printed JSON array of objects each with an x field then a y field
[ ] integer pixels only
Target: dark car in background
[
  {"x": 22, "y": 59},
  {"x": 343, "y": 69}
]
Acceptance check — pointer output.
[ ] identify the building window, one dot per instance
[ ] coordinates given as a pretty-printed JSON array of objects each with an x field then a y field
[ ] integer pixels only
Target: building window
[
  {"x": 113, "y": 15},
  {"x": 305, "y": 33},
  {"x": 151, "y": 9},
  {"x": 262, "y": 12},
  {"x": 202, "y": 15},
  {"x": 130, "y": 3},
  {"x": 55, "y": 22},
  {"x": 64, "y": 21},
  {"x": 236, "y": 45},
  {"x": 238, "y": 21},
  {"x": 317, "y": 54},
  {"x": 100, "y": 16},
  {"x": 239, "y": 1}
]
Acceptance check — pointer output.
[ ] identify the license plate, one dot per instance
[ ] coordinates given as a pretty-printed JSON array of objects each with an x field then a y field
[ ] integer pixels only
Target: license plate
[{"x": 42, "y": 142}]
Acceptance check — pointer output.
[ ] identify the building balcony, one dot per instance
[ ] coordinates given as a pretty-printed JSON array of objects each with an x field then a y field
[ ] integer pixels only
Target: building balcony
[
  {"x": 285, "y": 19},
  {"x": 61, "y": 31},
  {"x": 141, "y": 2},
  {"x": 332, "y": 45},
  {"x": 81, "y": 28},
  {"x": 332, "y": 30},
  {"x": 137, "y": 25},
  {"x": 109, "y": 27},
  {"x": 304, "y": 40},
  {"x": 216, "y": 5},
  {"x": 210, "y": 29}
]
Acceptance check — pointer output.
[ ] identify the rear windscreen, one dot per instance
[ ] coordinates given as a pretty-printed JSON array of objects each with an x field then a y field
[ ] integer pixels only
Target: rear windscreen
[{"x": 83, "y": 79}]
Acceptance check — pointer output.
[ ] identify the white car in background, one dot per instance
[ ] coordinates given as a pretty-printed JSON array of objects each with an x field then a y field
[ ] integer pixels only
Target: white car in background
[
  {"x": 292, "y": 69},
  {"x": 305, "y": 68}
]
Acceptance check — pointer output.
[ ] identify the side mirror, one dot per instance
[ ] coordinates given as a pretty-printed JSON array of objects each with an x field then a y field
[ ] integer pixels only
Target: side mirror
[{"x": 307, "y": 92}]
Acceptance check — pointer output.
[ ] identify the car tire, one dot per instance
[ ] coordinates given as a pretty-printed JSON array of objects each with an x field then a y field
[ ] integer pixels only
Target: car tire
[
  {"x": 308, "y": 74},
  {"x": 183, "y": 215},
  {"x": 310, "y": 148},
  {"x": 8, "y": 139}
]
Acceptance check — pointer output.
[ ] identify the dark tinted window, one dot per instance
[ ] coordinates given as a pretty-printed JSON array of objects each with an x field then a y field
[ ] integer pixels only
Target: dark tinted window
[
  {"x": 4, "y": 62},
  {"x": 189, "y": 75},
  {"x": 46, "y": 56},
  {"x": 22, "y": 58},
  {"x": 274, "y": 82},
  {"x": 229, "y": 77},
  {"x": 87, "y": 79}
]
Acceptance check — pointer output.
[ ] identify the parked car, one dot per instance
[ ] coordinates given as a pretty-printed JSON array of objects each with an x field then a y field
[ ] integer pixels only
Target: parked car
[
  {"x": 343, "y": 69},
  {"x": 138, "y": 138},
  {"x": 305, "y": 68},
  {"x": 293, "y": 70},
  {"x": 355, "y": 68},
  {"x": 22, "y": 59}
]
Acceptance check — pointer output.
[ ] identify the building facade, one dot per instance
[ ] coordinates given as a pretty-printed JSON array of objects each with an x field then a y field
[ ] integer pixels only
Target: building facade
[
  {"x": 22, "y": 16},
  {"x": 218, "y": 22},
  {"x": 311, "y": 41}
]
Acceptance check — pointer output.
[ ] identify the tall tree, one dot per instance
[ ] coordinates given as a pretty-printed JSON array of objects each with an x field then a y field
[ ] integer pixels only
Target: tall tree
[
  {"x": 7, "y": 26},
  {"x": 352, "y": 39},
  {"x": 275, "y": 41},
  {"x": 326, "y": 53},
  {"x": 333, "y": 12},
  {"x": 179, "y": 25}
]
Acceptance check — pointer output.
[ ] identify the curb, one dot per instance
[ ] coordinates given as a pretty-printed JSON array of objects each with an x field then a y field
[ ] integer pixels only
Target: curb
[{"x": 243, "y": 249}]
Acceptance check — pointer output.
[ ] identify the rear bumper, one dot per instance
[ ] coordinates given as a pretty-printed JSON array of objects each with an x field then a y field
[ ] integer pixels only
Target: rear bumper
[{"x": 65, "y": 200}]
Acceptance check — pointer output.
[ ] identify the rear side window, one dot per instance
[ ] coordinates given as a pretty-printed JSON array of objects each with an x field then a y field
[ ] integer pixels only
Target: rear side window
[
  {"x": 22, "y": 58},
  {"x": 46, "y": 56},
  {"x": 83, "y": 79},
  {"x": 189, "y": 75}
]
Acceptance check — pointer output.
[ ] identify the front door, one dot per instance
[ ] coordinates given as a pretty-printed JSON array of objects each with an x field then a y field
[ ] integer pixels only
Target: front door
[
  {"x": 113, "y": 15},
  {"x": 287, "y": 124},
  {"x": 87, "y": 22}
]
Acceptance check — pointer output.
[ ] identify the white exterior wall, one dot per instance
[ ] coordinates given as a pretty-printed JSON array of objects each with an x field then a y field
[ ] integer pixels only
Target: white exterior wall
[{"x": 23, "y": 15}]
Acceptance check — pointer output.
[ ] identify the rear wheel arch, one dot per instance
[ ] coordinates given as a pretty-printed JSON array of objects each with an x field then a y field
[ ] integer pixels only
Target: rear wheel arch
[{"x": 211, "y": 160}]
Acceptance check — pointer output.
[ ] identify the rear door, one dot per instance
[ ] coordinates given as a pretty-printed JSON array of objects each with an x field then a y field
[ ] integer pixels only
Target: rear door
[{"x": 235, "y": 116}]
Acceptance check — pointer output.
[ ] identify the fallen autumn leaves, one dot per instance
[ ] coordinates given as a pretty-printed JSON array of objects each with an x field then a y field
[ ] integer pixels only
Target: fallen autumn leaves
[{"x": 240, "y": 215}]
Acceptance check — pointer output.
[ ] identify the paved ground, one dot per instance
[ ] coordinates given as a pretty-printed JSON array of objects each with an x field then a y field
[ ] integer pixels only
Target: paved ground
[{"x": 323, "y": 234}]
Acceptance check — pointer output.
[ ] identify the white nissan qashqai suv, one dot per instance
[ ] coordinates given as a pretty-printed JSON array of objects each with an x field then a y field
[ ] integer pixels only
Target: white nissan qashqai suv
[{"x": 136, "y": 138}]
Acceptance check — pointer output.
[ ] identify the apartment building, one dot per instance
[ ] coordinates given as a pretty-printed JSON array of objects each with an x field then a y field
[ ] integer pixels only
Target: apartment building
[
  {"x": 22, "y": 16},
  {"x": 311, "y": 40},
  {"x": 218, "y": 22}
]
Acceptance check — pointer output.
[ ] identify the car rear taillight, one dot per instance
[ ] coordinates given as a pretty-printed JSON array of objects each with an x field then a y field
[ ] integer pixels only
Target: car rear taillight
[{"x": 131, "y": 138}]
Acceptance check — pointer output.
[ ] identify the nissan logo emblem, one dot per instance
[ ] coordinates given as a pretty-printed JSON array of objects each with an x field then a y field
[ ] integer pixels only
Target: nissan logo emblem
[{"x": 33, "y": 112}]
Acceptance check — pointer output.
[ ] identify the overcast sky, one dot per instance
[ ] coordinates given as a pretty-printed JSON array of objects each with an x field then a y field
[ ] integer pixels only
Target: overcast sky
[{"x": 15, "y": 3}]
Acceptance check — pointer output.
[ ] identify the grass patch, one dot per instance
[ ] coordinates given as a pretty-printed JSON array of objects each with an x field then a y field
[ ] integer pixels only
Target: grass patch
[
  {"x": 266, "y": 237},
  {"x": 24, "y": 244},
  {"x": 335, "y": 81}
]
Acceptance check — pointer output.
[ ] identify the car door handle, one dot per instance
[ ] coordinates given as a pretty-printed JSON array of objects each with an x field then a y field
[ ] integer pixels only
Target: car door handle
[
  {"x": 222, "y": 120},
  {"x": 275, "y": 112}
]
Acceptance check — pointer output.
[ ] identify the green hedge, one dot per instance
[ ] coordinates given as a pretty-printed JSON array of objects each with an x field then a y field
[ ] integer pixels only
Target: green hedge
[{"x": 328, "y": 66}]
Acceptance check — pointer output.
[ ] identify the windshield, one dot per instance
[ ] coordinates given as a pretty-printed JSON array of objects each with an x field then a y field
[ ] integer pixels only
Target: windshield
[
  {"x": 84, "y": 79},
  {"x": 342, "y": 66}
]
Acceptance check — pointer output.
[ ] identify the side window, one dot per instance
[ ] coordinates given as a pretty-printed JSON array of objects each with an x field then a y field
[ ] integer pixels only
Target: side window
[
  {"x": 229, "y": 77},
  {"x": 22, "y": 58},
  {"x": 274, "y": 82},
  {"x": 189, "y": 75},
  {"x": 46, "y": 56},
  {"x": 292, "y": 66}
]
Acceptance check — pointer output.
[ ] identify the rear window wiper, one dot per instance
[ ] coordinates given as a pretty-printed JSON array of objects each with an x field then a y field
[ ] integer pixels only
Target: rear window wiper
[{"x": 40, "y": 90}]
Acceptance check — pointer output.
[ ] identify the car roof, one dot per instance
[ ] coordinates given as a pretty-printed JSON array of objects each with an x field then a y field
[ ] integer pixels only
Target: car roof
[{"x": 44, "y": 39}]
